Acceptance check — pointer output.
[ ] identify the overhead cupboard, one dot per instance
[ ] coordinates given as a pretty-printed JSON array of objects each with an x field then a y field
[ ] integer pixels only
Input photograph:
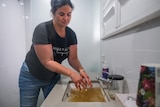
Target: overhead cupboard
[{"x": 120, "y": 15}]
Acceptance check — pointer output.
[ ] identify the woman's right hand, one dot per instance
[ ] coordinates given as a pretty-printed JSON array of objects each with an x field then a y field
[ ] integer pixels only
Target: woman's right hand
[{"x": 78, "y": 81}]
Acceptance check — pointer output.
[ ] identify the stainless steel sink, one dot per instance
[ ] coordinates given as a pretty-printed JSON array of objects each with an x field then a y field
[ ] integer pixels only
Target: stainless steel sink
[{"x": 94, "y": 94}]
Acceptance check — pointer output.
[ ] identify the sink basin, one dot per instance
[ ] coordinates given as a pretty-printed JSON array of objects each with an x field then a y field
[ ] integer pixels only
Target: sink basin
[{"x": 94, "y": 94}]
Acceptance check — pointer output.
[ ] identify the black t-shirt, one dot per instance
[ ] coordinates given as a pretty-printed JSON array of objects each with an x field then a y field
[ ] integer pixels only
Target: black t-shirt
[{"x": 45, "y": 33}]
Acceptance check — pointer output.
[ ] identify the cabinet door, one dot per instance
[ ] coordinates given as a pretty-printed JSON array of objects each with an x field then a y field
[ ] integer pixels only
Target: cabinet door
[
  {"x": 110, "y": 16},
  {"x": 120, "y": 15},
  {"x": 133, "y": 10}
]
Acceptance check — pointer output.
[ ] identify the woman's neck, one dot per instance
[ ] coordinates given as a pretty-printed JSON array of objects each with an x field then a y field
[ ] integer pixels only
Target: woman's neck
[{"x": 60, "y": 30}]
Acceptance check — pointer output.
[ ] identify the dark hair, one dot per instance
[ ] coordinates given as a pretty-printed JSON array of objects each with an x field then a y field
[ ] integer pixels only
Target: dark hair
[{"x": 55, "y": 4}]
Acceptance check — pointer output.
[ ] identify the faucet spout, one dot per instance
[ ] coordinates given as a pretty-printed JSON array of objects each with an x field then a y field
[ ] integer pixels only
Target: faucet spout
[{"x": 103, "y": 79}]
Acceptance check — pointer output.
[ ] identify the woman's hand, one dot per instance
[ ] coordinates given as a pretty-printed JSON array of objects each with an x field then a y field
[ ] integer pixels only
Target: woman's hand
[
  {"x": 78, "y": 81},
  {"x": 86, "y": 78}
]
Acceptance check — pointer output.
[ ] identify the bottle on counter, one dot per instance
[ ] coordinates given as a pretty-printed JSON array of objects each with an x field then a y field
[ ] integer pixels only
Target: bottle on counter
[{"x": 105, "y": 69}]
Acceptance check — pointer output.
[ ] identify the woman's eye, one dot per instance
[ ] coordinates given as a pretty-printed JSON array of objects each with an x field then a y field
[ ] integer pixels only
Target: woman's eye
[
  {"x": 69, "y": 14},
  {"x": 61, "y": 14}
]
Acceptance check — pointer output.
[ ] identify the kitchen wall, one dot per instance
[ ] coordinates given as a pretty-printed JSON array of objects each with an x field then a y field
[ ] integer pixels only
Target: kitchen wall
[
  {"x": 17, "y": 24},
  {"x": 12, "y": 50},
  {"x": 125, "y": 52}
]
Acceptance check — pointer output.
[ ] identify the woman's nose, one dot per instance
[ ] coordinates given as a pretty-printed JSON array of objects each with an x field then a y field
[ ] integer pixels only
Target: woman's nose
[{"x": 65, "y": 17}]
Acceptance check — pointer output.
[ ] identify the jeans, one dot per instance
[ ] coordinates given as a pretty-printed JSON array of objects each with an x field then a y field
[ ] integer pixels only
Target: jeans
[{"x": 29, "y": 87}]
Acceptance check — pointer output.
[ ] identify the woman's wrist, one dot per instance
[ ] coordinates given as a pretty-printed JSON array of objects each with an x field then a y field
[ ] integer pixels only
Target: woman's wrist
[{"x": 81, "y": 70}]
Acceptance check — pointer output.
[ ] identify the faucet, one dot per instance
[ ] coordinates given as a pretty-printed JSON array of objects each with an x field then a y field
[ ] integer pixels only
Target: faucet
[
  {"x": 111, "y": 83},
  {"x": 106, "y": 81},
  {"x": 103, "y": 79}
]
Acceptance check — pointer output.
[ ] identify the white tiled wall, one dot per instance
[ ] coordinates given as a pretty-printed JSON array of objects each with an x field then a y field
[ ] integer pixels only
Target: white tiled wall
[{"x": 127, "y": 51}]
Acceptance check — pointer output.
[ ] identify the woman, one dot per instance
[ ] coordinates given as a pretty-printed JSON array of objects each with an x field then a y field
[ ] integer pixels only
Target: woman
[{"x": 53, "y": 41}]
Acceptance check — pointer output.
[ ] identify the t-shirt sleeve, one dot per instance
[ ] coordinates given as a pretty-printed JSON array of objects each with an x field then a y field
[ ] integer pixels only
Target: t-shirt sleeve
[{"x": 40, "y": 34}]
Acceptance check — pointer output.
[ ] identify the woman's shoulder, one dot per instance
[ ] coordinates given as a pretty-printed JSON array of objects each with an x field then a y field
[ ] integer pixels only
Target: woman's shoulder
[
  {"x": 69, "y": 30},
  {"x": 42, "y": 25}
]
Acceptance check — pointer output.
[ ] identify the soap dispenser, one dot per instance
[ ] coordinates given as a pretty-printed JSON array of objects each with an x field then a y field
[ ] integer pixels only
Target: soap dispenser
[{"x": 105, "y": 69}]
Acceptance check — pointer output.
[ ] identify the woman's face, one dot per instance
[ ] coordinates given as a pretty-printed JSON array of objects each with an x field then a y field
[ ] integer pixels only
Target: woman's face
[{"x": 62, "y": 16}]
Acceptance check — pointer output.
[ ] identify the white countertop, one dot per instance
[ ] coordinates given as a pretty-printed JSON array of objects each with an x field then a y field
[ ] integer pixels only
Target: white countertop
[
  {"x": 127, "y": 102},
  {"x": 56, "y": 95}
]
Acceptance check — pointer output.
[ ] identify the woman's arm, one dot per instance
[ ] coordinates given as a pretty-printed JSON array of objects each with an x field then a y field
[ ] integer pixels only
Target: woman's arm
[
  {"x": 45, "y": 55},
  {"x": 73, "y": 58},
  {"x": 75, "y": 63}
]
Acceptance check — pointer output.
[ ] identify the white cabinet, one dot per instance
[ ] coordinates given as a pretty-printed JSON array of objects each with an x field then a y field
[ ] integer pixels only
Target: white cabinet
[
  {"x": 110, "y": 15},
  {"x": 121, "y": 15},
  {"x": 133, "y": 10}
]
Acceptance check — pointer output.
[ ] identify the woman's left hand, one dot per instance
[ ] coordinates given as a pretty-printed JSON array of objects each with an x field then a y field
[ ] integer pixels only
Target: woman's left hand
[{"x": 86, "y": 78}]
